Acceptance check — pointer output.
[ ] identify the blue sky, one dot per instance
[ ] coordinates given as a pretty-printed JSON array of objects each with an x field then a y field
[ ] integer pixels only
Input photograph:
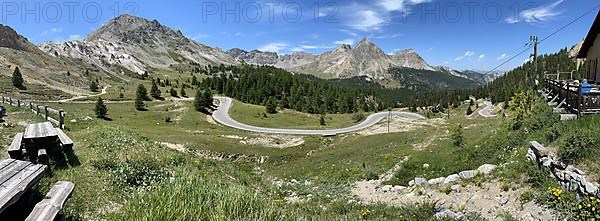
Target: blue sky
[{"x": 460, "y": 34}]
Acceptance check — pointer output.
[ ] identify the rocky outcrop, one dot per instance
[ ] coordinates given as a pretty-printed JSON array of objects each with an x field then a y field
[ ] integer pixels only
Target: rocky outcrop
[
  {"x": 464, "y": 175},
  {"x": 568, "y": 177},
  {"x": 137, "y": 45}
]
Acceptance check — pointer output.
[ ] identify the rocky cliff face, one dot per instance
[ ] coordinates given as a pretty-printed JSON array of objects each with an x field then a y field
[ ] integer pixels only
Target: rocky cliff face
[
  {"x": 366, "y": 59},
  {"x": 137, "y": 44},
  {"x": 9, "y": 38}
]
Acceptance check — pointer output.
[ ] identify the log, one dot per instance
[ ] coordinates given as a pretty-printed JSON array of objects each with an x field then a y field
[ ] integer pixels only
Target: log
[
  {"x": 48, "y": 208},
  {"x": 14, "y": 150}
]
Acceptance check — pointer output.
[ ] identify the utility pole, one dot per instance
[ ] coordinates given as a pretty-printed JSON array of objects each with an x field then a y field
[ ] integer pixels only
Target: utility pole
[{"x": 533, "y": 41}]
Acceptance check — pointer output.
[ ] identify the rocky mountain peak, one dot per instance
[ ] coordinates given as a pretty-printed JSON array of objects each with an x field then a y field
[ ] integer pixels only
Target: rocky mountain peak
[
  {"x": 9, "y": 38},
  {"x": 128, "y": 28}
]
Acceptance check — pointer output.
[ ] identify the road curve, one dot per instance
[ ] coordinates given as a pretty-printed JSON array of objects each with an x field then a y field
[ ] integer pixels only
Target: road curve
[
  {"x": 221, "y": 115},
  {"x": 487, "y": 111}
]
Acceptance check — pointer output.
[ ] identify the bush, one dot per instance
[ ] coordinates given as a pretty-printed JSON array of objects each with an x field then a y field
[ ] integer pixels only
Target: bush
[
  {"x": 576, "y": 146},
  {"x": 133, "y": 172},
  {"x": 357, "y": 117}
]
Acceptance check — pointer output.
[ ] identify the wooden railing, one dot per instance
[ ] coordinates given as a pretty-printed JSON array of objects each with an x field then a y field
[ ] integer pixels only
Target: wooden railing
[
  {"x": 56, "y": 117},
  {"x": 578, "y": 102}
]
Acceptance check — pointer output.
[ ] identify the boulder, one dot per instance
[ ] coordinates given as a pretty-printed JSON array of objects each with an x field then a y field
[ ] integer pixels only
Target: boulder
[
  {"x": 398, "y": 188},
  {"x": 591, "y": 188},
  {"x": 467, "y": 174},
  {"x": 420, "y": 181},
  {"x": 540, "y": 150},
  {"x": 436, "y": 181},
  {"x": 486, "y": 169},
  {"x": 452, "y": 178},
  {"x": 449, "y": 214}
]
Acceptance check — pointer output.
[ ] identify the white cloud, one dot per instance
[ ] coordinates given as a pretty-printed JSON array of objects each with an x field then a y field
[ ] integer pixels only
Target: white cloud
[
  {"x": 399, "y": 5},
  {"x": 348, "y": 41},
  {"x": 273, "y": 47},
  {"x": 481, "y": 57},
  {"x": 392, "y": 36},
  {"x": 537, "y": 15},
  {"x": 309, "y": 47},
  {"x": 200, "y": 36},
  {"x": 367, "y": 20},
  {"x": 74, "y": 37},
  {"x": 502, "y": 57},
  {"x": 297, "y": 50},
  {"x": 467, "y": 54}
]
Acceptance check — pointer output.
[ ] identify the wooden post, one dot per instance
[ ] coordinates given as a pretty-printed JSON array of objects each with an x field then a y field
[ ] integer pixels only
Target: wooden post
[
  {"x": 46, "y": 111},
  {"x": 37, "y": 107},
  {"x": 61, "y": 119},
  {"x": 30, "y": 106},
  {"x": 10, "y": 101},
  {"x": 3, "y": 101},
  {"x": 18, "y": 103}
]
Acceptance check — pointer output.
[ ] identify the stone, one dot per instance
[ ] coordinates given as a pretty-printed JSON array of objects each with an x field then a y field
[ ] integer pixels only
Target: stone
[
  {"x": 74, "y": 121},
  {"x": 411, "y": 183},
  {"x": 467, "y": 174},
  {"x": 502, "y": 200},
  {"x": 571, "y": 168},
  {"x": 531, "y": 155},
  {"x": 547, "y": 162},
  {"x": 451, "y": 179},
  {"x": 386, "y": 188},
  {"x": 436, "y": 181},
  {"x": 425, "y": 166},
  {"x": 398, "y": 188},
  {"x": 591, "y": 188},
  {"x": 449, "y": 214},
  {"x": 420, "y": 181},
  {"x": 540, "y": 150},
  {"x": 486, "y": 169},
  {"x": 455, "y": 187}
]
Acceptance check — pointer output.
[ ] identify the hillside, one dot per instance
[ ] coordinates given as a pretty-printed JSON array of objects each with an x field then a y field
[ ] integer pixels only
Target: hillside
[
  {"x": 42, "y": 70},
  {"x": 137, "y": 45}
]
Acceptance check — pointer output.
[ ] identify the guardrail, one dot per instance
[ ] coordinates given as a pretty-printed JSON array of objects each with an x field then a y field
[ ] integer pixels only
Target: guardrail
[
  {"x": 41, "y": 110},
  {"x": 572, "y": 93}
]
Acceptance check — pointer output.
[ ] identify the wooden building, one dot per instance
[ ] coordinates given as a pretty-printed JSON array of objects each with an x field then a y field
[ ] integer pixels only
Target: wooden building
[{"x": 590, "y": 51}]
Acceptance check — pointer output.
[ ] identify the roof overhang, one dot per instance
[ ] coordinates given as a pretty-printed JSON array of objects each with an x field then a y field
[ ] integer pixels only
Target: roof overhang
[{"x": 590, "y": 38}]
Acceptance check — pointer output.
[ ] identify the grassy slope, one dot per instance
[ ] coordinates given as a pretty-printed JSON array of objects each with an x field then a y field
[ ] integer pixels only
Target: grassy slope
[{"x": 254, "y": 115}]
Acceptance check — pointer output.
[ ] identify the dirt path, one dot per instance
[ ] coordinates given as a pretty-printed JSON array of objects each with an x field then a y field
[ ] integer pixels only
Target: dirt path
[{"x": 103, "y": 92}]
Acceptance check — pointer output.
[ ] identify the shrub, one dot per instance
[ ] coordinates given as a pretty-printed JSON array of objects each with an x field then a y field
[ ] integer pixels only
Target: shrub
[
  {"x": 359, "y": 116},
  {"x": 457, "y": 136},
  {"x": 133, "y": 172},
  {"x": 575, "y": 146}
]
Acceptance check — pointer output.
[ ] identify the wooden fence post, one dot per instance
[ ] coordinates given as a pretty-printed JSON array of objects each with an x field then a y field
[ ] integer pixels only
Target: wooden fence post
[
  {"x": 30, "y": 106},
  {"x": 61, "y": 119},
  {"x": 37, "y": 107},
  {"x": 46, "y": 110},
  {"x": 10, "y": 100},
  {"x": 3, "y": 101},
  {"x": 18, "y": 103}
]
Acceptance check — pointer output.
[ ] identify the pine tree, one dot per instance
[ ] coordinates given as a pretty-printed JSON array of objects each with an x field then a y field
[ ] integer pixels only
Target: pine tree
[
  {"x": 469, "y": 110},
  {"x": 322, "y": 121},
  {"x": 270, "y": 106},
  {"x": 457, "y": 136},
  {"x": 182, "y": 92},
  {"x": 94, "y": 86},
  {"x": 154, "y": 91},
  {"x": 141, "y": 95},
  {"x": 17, "y": 79},
  {"x": 173, "y": 92},
  {"x": 207, "y": 97},
  {"x": 101, "y": 110},
  {"x": 194, "y": 81}
]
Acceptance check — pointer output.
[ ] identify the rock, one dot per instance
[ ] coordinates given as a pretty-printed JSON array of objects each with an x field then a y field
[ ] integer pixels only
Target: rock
[
  {"x": 591, "y": 188},
  {"x": 467, "y": 174},
  {"x": 546, "y": 161},
  {"x": 386, "y": 188},
  {"x": 451, "y": 179},
  {"x": 455, "y": 187},
  {"x": 411, "y": 183},
  {"x": 571, "y": 168},
  {"x": 436, "y": 181},
  {"x": 425, "y": 166},
  {"x": 420, "y": 181},
  {"x": 449, "y": 214},
  {"x": 486, "y": 169},
  {"x": 398, "y": 188},
  {"x": 74, "y": 121},
  {"x": 502, "y": 200}
]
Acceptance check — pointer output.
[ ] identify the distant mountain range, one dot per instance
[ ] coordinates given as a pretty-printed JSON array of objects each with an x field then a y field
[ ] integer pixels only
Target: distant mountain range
[{"x": 129, "y": 45}]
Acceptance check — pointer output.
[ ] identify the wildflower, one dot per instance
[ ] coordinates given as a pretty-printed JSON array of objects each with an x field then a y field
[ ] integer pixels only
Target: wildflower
[{"x": 579, "y": 206}]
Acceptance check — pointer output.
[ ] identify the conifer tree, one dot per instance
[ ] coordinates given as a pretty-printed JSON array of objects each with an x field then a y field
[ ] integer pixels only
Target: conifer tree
[
  {"x": 270, "y": 106},
  {"x": 182, "y": 92},
  {"x": 17, "y": 79},
  {"x": 173, "y": 92},
  {"x": 154, "y": 91},
  {"x": 101, "y": 110}
]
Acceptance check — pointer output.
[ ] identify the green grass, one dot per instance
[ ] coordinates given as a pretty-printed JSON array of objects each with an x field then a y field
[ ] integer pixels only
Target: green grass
[{"x": 255, "y": 115}]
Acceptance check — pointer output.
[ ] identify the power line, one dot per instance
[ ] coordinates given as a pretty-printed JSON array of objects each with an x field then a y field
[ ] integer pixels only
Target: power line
[{"x": 544, "y": 39}]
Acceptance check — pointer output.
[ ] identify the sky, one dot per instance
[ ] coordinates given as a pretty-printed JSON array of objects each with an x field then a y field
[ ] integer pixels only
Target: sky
[{"x": 475, "y": 35}]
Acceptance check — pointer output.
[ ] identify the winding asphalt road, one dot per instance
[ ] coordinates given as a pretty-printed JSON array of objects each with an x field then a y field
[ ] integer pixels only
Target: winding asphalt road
[
  {"x": 221, "y": 115},
  {"x": 487, "y": 111}
]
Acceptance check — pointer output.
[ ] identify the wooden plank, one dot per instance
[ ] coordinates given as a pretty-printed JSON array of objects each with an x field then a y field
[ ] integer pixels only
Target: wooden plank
[
  {"x": 40, "y": 130},
  {"x": 53, "y": 121},
  {"x": 14, "y": 150},
  {"x": 65, "y": 141},
  {"x": 52, "y": 110},
  {"x": 5, "y": 163},
  {"x": 12, "y": 170},
  {"x": 11, "y": 190},
  {"x": 54, "y": 201}
]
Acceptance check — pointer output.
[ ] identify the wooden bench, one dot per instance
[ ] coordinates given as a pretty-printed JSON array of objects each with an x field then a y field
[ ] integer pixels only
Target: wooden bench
[
  {"x": 65, "y": 142},
  {"x": 48, "y": 208},
  {"x": 16, "y": 177},
  {"x": 14, "y": 150}
]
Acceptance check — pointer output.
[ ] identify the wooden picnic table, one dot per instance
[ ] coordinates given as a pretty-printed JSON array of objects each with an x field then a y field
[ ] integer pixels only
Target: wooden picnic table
[
  {"x": 16, "y": 178},
  {"x": 40, "y": 131}
]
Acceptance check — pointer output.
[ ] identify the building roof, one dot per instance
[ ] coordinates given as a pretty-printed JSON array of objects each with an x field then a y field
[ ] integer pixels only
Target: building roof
[{"x": 591, "y": 37}]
